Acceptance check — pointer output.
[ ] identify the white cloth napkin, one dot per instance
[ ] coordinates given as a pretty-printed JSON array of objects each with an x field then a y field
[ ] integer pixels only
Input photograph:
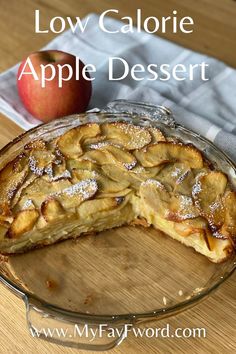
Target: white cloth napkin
[{"x": 207, "y": 107}]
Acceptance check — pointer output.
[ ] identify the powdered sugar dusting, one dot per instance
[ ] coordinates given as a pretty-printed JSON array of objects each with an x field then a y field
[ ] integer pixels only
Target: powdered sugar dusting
[
  {"x": 99, "y": 145},
  {"x": 139, "y": 169},
  {"x": 84, "y": 189},
  {"x": 187, "y": 216},
  {"x": 34, "y": 168},
  {"x": 87, "y": 158},
  {"x": 103, "y": 144},
  {"x": 129, "y": 165},
  {"x": 12, "y": 190},
  {"x": 214, "y": 206},
  {"x": 28, "y": 204},
  {"x": 176, "y": 172},
  {"x": 197, "y": 187},
  {"x": 182, "y": 177},
  {"x": 185, "y": 201},
  {"x": 154, "y": 182},
  {"x": 48, "y": 170},
  {"x": 65, "y": 174},
  {"x": 218, "y": 234},
  {"x": 138, "y": 136},
  {"x": 187, "y": 209}
]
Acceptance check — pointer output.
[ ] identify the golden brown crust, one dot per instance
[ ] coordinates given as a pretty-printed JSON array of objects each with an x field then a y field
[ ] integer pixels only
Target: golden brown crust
[
  {"x": 96, "y": 168},
  {"x": 23, "y": 222},
  {"x": 140, "y": 222}
]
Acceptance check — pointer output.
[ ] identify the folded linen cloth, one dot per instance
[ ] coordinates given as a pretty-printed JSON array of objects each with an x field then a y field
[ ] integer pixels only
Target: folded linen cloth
[{"x": 207, "y": 107}]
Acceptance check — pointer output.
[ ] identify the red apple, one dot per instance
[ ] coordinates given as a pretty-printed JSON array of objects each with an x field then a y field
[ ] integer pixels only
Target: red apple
[{"x": 52, "y": 101}]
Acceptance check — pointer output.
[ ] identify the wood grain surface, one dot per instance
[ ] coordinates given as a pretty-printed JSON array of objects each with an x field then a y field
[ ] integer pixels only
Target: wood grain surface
[{"x": 214, "y": 34}]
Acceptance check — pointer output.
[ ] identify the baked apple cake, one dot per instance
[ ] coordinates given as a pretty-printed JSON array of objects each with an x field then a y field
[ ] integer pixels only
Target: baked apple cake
[{"x": 100, "y": 176}]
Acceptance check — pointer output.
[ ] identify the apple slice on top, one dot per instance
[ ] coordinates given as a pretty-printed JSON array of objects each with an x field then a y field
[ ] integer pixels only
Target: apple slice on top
[
  {"x": 128, "y": 135},
  {"x": 70, "y": 143},
  {"x": 163, "y": 152}
]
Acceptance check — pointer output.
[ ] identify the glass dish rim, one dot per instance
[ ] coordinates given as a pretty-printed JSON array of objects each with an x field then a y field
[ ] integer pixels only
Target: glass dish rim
[{"x": 164, "y": 311}]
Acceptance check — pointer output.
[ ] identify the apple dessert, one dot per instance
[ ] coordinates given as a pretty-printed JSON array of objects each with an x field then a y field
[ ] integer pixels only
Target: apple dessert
[{"x": 100, "y": 176}]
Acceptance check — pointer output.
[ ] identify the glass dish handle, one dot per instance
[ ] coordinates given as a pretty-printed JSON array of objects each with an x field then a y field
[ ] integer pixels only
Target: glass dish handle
[
  {"x": 79, "y": 333},
  {"x": 150, "y": 111}
]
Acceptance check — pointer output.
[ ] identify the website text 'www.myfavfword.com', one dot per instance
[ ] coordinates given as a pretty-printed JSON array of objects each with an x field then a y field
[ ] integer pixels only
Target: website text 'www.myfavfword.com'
[{"x": 104, "y": 330}]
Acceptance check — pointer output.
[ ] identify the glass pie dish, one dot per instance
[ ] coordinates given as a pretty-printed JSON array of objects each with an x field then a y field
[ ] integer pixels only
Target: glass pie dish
[{"x": 121, "y": 277}]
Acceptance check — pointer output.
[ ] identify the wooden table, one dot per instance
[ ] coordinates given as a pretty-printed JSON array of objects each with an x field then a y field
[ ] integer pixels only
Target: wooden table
[{"x": 214, "y": 34}]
